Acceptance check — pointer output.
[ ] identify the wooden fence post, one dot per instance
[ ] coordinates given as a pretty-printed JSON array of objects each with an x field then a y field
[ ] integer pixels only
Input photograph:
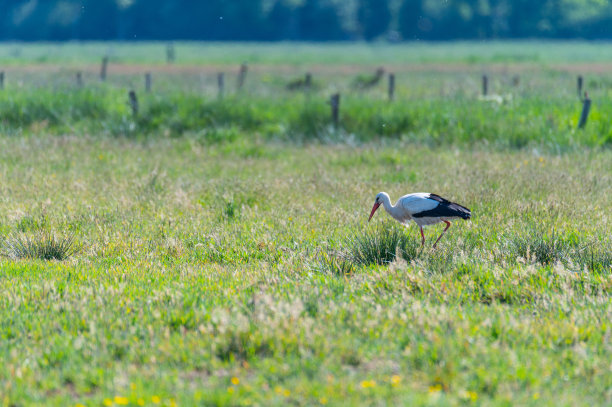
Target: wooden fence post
[
  {"x": 103, "y": 68},
  {"x": 308, "y": 80},
  {"x": 516, "y": 80},
  {"x": 580, "y": 83},
  {"x": 148, "y": 81},
  {"x": 2, "y": 80},
  {"x": 391, "y": 87},
  {"x": 133, "y": 103},
  {"x": 170, "y": 54},
  {"x": 242, "y": 75},
  {"x": 485, "y": 85},
  {"x": 586, "y": 108},
  {"x": 334, "y": 101},
  {"x": 220, "y": 84},
  {"x": 79, "y": 79}
]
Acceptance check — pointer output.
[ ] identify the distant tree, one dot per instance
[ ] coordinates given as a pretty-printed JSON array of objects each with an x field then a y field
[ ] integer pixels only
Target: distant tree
[
  {"x": 467, "y": 19},
  {"x": 526, "y": 18},
  {"x": 282, "y": 21},
  {"x": 149, "y": 19},
  {"x": 373, "y": 17},
  {"x": 29, "y": 20},
  {"x": 319, "y": 21},
  {"x": 242, "y": 20},
  {"x": 202, "y": 20},
  {"x": 98, "y": 20},
  {"x": 444, "y": 20},
  {"x": 410, "y": 13},
  {"x": 310, "y": 20},
  {"x": 5, "y": 25}
]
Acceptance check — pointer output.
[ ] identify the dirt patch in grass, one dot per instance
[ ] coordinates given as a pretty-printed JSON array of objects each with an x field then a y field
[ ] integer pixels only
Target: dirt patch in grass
[{"x": 584, "y": 68}]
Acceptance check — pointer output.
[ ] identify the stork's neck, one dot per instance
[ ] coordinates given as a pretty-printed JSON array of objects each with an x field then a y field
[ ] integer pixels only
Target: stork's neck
[{"x": 391, "y": 210}]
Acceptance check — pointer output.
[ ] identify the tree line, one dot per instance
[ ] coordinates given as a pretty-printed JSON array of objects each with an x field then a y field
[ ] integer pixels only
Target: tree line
[{"x": 303, "y": 20}]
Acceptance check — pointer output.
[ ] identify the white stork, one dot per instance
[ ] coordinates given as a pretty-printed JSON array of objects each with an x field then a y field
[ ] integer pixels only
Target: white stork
[{"x": 423, "y": 208}]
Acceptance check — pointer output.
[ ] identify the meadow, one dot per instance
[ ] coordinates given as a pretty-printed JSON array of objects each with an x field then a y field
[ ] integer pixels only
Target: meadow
[{"x": 215, "y": 250}]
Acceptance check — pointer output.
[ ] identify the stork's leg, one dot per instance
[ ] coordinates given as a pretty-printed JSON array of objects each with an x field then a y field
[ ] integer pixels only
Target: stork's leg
[
  {"x": 443, "y": 232},
  {"x": 422, "y": 236}
]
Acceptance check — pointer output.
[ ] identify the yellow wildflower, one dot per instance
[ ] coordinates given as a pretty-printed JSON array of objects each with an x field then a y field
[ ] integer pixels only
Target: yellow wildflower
[
  {"x": 108, "y": 402},
  {"x": 155, "y": 399},
  {"x": 368, "y": 383},
  {"x": 323, "y": 400},
  {"x": 536, "y": 396},
  {"x": 395, "y": 380},
  {"x": 435, "y": 388},
  {"x": 235, "y": 381},
  {"x": 140, "y": 402},
  {"x": 122, "y": 401},
  {"x": 230, "y": 390},
  {"x": 286, "y": 393},
  {"x": 470, "y": 395}
]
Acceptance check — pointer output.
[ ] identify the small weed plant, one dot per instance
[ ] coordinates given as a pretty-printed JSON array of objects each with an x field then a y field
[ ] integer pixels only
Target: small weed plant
[
  {"x": 43, "y": 246},
  {"x": 335, "y": 263}
]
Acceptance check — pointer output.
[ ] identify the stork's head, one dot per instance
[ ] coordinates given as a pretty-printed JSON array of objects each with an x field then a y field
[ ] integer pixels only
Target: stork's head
[{"x": 380, "y": 198}]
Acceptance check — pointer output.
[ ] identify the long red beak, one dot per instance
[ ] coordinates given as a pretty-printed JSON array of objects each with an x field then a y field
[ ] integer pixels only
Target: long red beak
[{"x": 376, "y": 205}]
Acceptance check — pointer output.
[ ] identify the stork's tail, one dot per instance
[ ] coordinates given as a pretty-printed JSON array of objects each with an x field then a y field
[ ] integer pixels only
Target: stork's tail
[{"x": 461, "y": 211}]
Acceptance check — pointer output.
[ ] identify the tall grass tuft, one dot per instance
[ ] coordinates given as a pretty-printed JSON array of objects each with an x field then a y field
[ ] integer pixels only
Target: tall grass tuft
[
  {"x": 382, "y": 245},
  {"x": 44, "y": 246},
  {"x": 541, "y": 247},
  {"x": 338, "y": 264},
  {"x": 594, "y": 260},
  {"x": 554, "y": 247}
]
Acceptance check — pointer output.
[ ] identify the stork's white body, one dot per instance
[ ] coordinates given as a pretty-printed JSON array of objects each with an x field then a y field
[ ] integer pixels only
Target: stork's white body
[
  {"x": 411, "y": 204},
  {"x": 423, "y": 208}
]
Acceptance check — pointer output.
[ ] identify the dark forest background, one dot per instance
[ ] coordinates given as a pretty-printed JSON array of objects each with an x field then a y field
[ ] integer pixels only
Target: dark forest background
[{"x": 303, "y": 20}]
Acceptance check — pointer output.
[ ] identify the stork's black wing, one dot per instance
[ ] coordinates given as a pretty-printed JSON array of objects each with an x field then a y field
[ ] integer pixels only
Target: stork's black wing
[{"x": 445, "y": 209}]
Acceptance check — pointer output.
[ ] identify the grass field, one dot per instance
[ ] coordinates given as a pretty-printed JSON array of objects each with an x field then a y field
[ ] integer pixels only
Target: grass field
[
  {"x": 222, "y": 254},
  {"x": 541, "y": 52}
]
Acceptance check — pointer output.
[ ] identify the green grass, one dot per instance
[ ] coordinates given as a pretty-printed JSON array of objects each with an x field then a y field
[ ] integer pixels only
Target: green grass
[
  {"x": 225, "y": 257},
  {"x": 202, "y": 263},
  {"x": 529, "y": 121},
  {"x": 469, "y": 52}
]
